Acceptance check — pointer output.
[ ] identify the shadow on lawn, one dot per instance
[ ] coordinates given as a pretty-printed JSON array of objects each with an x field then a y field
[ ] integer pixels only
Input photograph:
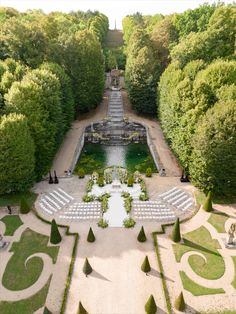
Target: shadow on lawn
[{"x": 199, "y": 247}]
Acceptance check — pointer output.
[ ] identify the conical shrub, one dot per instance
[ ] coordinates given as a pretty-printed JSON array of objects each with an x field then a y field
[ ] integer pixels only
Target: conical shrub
[
  {"x": 55, "y": 236},
  {"x": 81, "y": 309},
  {"x": 24, "y": 206},
  {"x": 46, "y": 311},
  {"x": 150, "y": 306},
  {"x": 176, "y": 237},
  {"x": 91, "y": 236},
  {"x": 180, "y": 303},
  {"x": 207, "y": 206},
  {"x": 142, "y": 235},
  {"x": 146, "y": 265},
  {"x": 87, "y": 269}
]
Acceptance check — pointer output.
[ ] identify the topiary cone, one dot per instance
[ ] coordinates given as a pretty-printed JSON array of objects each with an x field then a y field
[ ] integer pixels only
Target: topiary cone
[
  {"x": 91, "y": 236},
  {"x": 176, "y": 237},
  {"x": 142, "y": 236},
  {"x": 46, "y": 311},
  {"x": 146, "y": 265},
  {"x": 24, "y": 206},
  {"x": 150, "y": 306},
  {"x": 87, "y": 269},
  {"x": 81, "y": 309},
  {"x": 207, "y": 206},
  {"x": 180, "y": 303},
  {"x": 55, "y": 236}
]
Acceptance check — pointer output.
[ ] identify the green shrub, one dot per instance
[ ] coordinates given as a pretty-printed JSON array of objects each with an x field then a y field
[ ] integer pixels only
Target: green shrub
[
  {"x": 87, "y": 269},
  {"x": 88, "y": 198},
  {"x": 130, "y": 181},
  {"x": 102, "y": 223},
  {"x": 143, "y": 186},
  {"x": 89, "y": 185},
  {"x": 55, "y": 236},
  {"x": 100, "y": 181},
  {"x": 150, "y": 306},
  {"x": 148, "y": 172},
  {"x": 146, "y": 265},
  {"x": 207, "y": 206},
  {"x": 129, "y": 222},
  {"x": 180, "y": 303},
  {"x": 24, "y": 206},
  {"x": 143, "y": 197},
  {"x": 81, "y": 309},
  {"x": 142, "y": 236},
  {"x": 128, "y": 204},
  {"x": 81, "y": 173},
  {"x": 46, "y": 311},
  {"x": 91, "y": 236},
  {"x": 176, "y": 237},
  {"x": 125, "y": 194}
]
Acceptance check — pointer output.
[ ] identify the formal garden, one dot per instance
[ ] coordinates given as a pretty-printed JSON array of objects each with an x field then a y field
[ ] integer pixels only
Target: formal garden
[{"x": 117, "y": 162}]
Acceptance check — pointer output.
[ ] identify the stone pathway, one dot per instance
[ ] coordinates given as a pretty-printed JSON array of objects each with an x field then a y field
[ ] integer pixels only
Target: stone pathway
[{"x": 117, "y": 285}]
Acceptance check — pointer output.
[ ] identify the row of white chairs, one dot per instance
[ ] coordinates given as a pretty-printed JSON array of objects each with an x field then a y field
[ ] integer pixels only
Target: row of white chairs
[
  {"x": 79, "y": 217},
  {"x": 163, "y": 210},
  {"x": 163, "y": 218},
  {"x": 84, "y": 209},
  {"x": 48, "y": 205},
  {"x": 45, "y": 209},
  {"x": 66, "y": 194},
  {"x": 83, "y": 213}
]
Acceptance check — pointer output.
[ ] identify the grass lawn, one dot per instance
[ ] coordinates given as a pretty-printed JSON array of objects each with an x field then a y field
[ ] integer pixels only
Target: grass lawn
[
  {"x": 195, "y": 288},
  {"x": 229, "y": 199},
  {"x": 17, "y": 275},
  {"x": 12, "y": 223},
  {"x": 217, "y": 220},
  {"x": 26, "y": 306},
  {"x": 234, "y": 281},
  {"x": 200, "y": 241},
  {"x": 14, "y": 199}
]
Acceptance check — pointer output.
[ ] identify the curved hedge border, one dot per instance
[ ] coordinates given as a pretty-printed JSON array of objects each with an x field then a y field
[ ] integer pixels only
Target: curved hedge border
[{"x": 71, "y": 267}]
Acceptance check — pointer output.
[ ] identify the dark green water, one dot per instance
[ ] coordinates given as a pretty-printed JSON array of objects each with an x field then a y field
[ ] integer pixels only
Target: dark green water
[{"x": 96, "y": 157}]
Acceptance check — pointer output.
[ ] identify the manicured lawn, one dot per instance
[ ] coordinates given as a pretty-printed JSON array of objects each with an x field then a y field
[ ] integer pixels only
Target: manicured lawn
[
  {"x": 20, "y": 275},
  {"x": 195, "y": 288},
  {"x": 14, "y": 199},
  {"x": 26, "y": 306},
  {"x": 217, "y": 220},
  {"x": 12, "y": 223},
  {"x": 200, "y": 241},
  {"x": 234, "y": 281}
]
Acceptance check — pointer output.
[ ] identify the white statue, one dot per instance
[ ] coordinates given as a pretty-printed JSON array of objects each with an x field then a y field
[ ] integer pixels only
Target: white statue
[{"x": 230, "y": 237}]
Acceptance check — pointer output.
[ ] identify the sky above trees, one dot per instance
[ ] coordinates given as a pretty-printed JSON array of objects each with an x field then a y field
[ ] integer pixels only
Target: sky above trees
[{"x": 115, "y": 10}]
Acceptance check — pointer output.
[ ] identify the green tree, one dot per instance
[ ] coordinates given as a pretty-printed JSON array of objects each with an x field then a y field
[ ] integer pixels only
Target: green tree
[
  {"x": 67, "y": 100},
  {"x": 37, "y": 96},
  {"x": 46, "y": 311},
  {"x": 214, "y": 153},
  {"x": 176, "y": 236},
  {"x": 17, "y": 161},
  {"x": 180, "y": 303},
  {"x": 84, "y": 62},
  {"x": 91, "y": 236},
  {"x": 150, "y": 306},
  {"x": 24, "y": 206},
  {"x": 81, "y": 309},
  {"x": 142, "y": 235},
  {"x": 207, "y": 206},
  {"x": 87, "y": 269},
  {"x": 81, "y": 173},
  {"x": 146, "y": 268},
  {"x": 148, "y": 172},
  {"x": 55, "y": 236}
]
